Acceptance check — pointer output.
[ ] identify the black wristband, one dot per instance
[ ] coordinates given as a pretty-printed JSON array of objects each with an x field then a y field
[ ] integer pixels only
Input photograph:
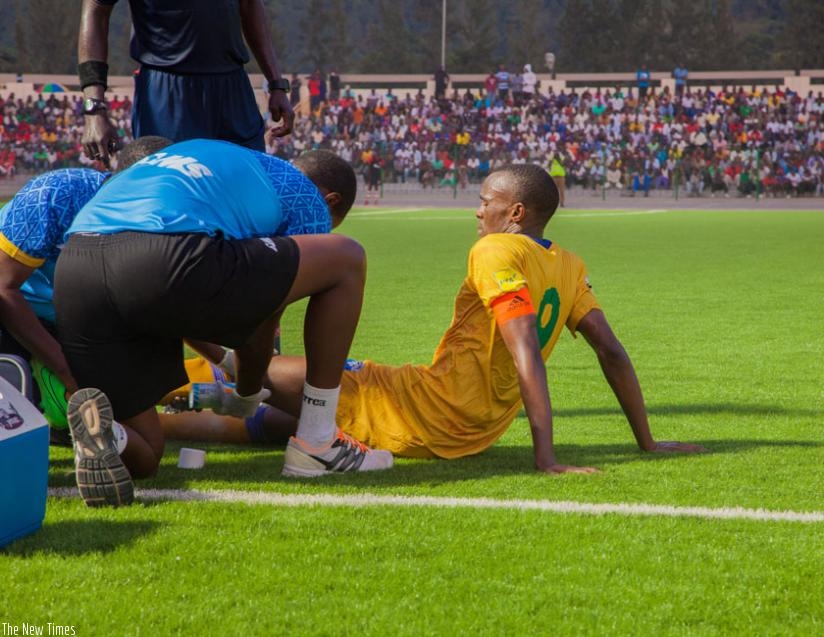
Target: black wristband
[
  {"x": 280, "y": 84},
  {"x": 93, "y": 72}
]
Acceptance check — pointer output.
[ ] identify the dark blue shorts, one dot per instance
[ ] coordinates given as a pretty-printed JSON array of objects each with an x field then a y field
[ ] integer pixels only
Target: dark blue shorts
[{"x": 184, "y": 107}]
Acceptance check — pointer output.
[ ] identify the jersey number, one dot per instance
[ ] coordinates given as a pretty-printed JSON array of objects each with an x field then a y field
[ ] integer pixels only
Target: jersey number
[{"x": 548, "y": 312}]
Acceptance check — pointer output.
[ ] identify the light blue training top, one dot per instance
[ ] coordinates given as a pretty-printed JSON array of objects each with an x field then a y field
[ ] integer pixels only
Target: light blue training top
[{"x": 207, "y": 187}]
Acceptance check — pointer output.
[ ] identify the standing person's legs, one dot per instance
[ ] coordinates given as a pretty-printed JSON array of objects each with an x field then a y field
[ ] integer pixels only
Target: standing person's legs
[{"x": 560, "y": 182}]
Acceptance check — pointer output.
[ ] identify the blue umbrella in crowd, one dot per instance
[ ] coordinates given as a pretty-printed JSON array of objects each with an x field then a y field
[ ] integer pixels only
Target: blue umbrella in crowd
[{"x": 52, "y": 87}]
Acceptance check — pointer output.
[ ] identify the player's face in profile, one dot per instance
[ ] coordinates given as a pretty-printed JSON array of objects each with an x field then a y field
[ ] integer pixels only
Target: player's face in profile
[{"x": 496, "y": 205}]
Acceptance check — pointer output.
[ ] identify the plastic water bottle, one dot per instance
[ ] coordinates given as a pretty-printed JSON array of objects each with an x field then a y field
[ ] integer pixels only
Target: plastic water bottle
[{"x": 208, "y": 395}]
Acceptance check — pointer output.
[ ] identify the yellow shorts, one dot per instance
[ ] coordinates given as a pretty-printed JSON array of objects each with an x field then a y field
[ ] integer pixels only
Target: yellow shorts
[{"x": 368, "y": 411}]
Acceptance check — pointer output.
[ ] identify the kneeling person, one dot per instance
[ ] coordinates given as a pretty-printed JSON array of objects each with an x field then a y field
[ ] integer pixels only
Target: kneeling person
[{"x": 183, "y": 246}]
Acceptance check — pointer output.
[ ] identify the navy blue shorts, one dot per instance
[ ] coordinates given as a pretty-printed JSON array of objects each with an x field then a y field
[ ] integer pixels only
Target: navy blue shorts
[
  {"x": 183, "y": 107},
  {"x": 126, "y": 301}
]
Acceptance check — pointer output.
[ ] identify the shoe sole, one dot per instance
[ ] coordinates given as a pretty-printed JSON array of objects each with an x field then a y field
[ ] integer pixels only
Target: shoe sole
[
  {"x": 297, "y": 464},
  {"x": 292, "y": 472},
  {"x": 102, "y": 478},
  {"x": 296, "y": 472}
]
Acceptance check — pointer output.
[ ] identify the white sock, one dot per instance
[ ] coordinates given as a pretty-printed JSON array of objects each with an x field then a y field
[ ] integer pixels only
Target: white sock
[
  {"x": 120, "y": 436},
  {"x": 316, "y": 424}
]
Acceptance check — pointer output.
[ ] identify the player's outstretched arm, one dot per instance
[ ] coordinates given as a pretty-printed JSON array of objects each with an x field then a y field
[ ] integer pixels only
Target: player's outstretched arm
[
  {"x": 521, "y": 339},
  {"x": 620, "y": 374}
]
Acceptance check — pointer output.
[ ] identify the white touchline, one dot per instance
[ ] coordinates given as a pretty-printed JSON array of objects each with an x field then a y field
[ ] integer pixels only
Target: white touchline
[
  {"x": 370, "y": 500},
  {"x": 612, "y": 213},
  {"x": 416, "y": 218},
  {"x": 465, "y": 214},
  {"x": 385, "y": 211}
]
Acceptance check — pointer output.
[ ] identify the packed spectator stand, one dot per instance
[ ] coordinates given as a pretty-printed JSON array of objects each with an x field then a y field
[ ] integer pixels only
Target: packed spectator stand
[
  {"x": 42, "y": 132},
  {"x": 733, "y": 141}
]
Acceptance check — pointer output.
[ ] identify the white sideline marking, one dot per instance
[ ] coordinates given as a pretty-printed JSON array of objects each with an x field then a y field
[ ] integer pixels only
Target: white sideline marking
[
  {"x": 385, "y": 211},
  {"x": 464, "y": 215},
  {"x": 370, "y": 500},
  {"x": 461, "y": 219},
  {"x": 388, "y": 214},
  {"x": 612, "y": 213}
]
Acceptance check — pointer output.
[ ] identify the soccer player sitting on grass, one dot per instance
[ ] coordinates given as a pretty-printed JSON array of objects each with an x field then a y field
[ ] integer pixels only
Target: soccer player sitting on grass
[
  {"x": 520, "y": 291},
  {"x": 184, "y": 245}
]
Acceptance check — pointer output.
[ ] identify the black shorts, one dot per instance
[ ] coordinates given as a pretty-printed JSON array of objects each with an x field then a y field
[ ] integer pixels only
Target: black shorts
[{"x": 125, "y": 301}]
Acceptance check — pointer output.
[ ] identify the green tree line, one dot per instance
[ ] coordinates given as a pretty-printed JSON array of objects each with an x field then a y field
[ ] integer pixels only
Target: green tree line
[{"x": 404, "y": 36}]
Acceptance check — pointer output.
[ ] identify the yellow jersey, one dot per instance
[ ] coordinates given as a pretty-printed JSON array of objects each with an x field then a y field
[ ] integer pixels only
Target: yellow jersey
[{"x": 467, "y": 398}]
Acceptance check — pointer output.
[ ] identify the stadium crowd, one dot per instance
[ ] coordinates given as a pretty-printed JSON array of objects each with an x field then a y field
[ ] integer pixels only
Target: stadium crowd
[
  {"x": 732, "y": 142},
  {"x": 40, "y": 133}
]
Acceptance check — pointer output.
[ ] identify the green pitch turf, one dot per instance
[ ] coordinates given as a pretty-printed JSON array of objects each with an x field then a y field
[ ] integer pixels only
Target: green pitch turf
[{"x": 721, "y": 314}]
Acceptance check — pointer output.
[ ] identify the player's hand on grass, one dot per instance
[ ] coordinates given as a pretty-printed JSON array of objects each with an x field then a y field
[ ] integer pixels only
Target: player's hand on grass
[
  {"x": 567, "y": 468},
  {"x": 673, "y": 446}
]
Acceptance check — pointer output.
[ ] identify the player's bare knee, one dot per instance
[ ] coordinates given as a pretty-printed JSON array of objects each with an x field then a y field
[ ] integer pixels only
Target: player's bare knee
[
  {"x": 143, "y": 466},
  {"x": 354, "y": 256}
]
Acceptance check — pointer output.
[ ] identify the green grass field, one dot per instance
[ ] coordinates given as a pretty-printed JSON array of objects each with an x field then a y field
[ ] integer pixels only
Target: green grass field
[{"x": 721, "y": 314}]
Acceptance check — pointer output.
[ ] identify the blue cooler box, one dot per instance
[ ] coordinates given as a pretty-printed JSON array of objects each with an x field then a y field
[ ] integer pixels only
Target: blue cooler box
[{"x": 24, "y": 465}]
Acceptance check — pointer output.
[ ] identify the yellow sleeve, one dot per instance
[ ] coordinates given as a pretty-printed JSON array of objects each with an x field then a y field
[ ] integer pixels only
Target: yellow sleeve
[
  {"x": 18, "y": 255},
  {"x": 494, "y": 270}
]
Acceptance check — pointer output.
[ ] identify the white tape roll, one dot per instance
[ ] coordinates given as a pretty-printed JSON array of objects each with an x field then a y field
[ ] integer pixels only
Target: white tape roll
[{"x": 191, "y": 458}]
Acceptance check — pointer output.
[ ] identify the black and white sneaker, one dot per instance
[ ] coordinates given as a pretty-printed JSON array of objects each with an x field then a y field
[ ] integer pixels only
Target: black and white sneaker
[
  {"x": 343, "y": 454},
  {"x": 101, "y": 476}
]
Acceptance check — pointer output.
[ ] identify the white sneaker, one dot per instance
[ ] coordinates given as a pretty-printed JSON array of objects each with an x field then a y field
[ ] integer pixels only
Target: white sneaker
[
  {"x": 344, "y": 453},
  {"x": 101, "y": 476}
]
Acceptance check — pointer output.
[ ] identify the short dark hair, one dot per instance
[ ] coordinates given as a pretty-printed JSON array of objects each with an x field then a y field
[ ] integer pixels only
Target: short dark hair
[
  {"x": 327, "y": 170},
  {"x": 533, "y": 187},
  {"x": 140, "y": 148}
]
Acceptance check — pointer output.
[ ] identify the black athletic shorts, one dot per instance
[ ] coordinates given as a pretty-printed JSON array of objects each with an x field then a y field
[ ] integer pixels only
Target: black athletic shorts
[{"x": 125, "y": 301}]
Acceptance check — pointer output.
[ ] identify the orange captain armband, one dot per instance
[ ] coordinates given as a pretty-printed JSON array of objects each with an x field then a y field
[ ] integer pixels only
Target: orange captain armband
[{"x": 512, "y": 305}]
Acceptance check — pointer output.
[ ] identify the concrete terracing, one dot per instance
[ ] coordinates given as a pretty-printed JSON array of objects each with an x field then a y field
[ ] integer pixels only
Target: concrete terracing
[{"x": 802, "y": 82}]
